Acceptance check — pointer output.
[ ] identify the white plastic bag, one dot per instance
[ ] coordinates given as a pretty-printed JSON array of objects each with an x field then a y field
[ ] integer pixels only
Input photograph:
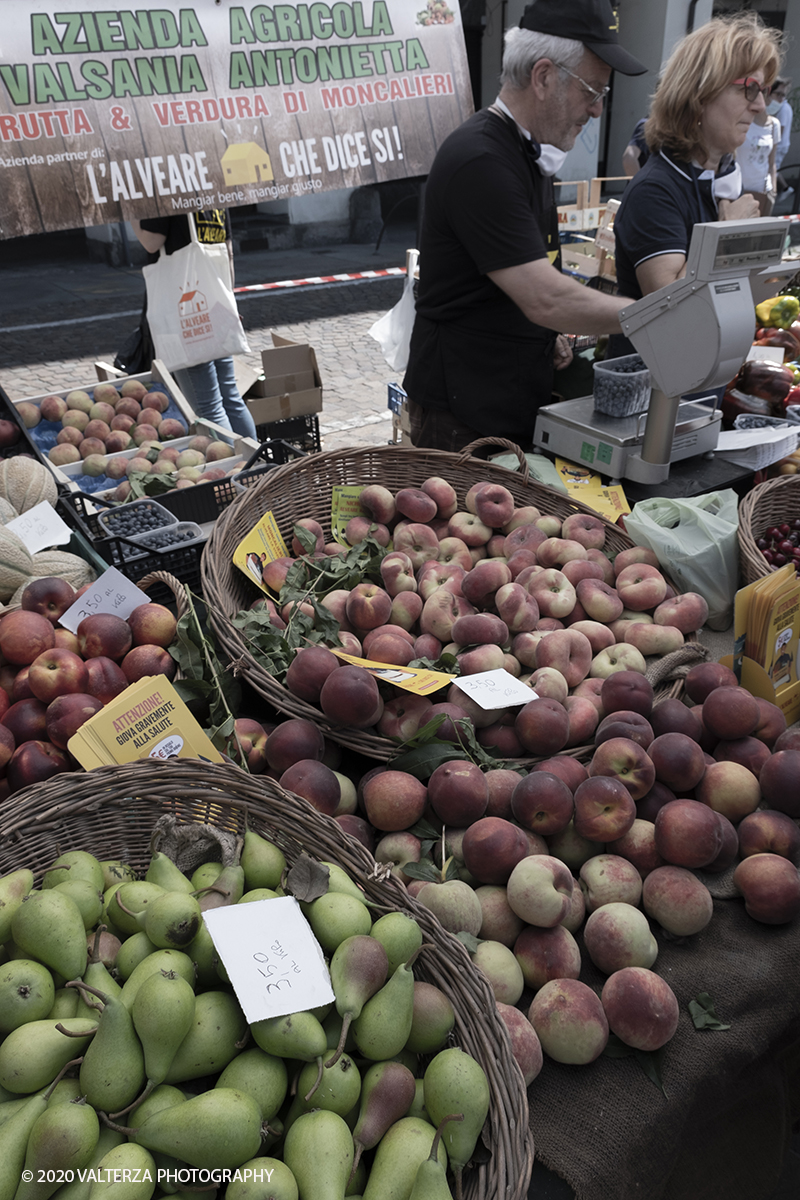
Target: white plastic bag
[
  {"x": 393, "y": 329},
  {"x": 696, "y": 542},
  {"x": 191, "y": 308}
]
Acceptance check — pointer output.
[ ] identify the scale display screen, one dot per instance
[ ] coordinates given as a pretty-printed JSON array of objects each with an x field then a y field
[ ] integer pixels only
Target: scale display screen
[{"x": 740, "y": 249}]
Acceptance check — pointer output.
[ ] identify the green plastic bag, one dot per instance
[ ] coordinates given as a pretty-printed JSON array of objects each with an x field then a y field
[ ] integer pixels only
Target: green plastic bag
[{"x": 696, "y": 542}]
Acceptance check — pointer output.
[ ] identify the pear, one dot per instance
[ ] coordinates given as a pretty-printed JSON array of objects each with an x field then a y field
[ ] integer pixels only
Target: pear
[
  {"x": 62, "y": 1140},
  {"x": 27, "y": 993},
  {"x": 400, "y": 1153},
  {"x": 32, "y": 1055},
  {"x": 48, "y": 926},
  {"x": 97, "y": 976},
  {"x": 161, "y": 1097},
  {"x": 14, "y": 1134},
  {"x": 418, "y": 1108},
  {"x": 159, "y": 960},
  {"x": 205, "y": 957},
  {"x": 162, "y": 1015},
  {"x": 133, "y": 950},
  {"x": 88, "y": 898},
  {"x": 79, "y": 1188},
  {"x": 382, "y": 1029},
  {"x": 13, "y": 890},
  {"x": 340, "y": 881},
  {"x": 74, "y": 864},
  {"x": 113, "y": 1184},
  {"x": 173, "y": 920},
  {"x": 218, "y": 1128},
  {"x": 298, "y": 1035},
  {"x": 431, "y": 1179},
  {"x": 66, "y": 1004},
  {"x": 433, "y": 1018},
  {"x": 125, "y": 909},
  {"x": 258, "y": 894},
  {"x": 262, "y": 1076},
  {"x": 227, "y": 888},
  {"x": 64, "y": 1090},
  {"x": 205, "y": 875},
  {"x": 318, "y": 1150},
  {"x": 112, "y": 1072},
  {"x": 336, "y": 916},
  {"x": 214, "y": 1039},
  {"x": 400, "y": 937},
  {"x": 271, "y": 1178},
  {"x": 337, "y": 1091},
  {"x": 387, "y": 1093},
  {"x": 262, "y": 862},
  {"x": 166, "y": 874},
  {"x": 115, "y": 871},
  {"x": 358, "y": 968},
  {"x": 456, "y": 1083}
]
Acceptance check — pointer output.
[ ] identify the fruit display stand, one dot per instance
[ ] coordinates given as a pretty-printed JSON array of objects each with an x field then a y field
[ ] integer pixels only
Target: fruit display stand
[
  {"x": 769, "y": 504},
  {"x": 112, "y": 811},
  {"x": 304, "y": 488}
]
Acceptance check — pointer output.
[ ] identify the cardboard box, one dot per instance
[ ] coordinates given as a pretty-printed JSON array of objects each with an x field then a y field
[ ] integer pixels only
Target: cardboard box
[{"x": 291, "y": 386}]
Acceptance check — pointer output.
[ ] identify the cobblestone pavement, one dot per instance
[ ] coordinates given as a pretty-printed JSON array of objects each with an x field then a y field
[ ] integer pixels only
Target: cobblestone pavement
[{"x": 57, "y": 319}]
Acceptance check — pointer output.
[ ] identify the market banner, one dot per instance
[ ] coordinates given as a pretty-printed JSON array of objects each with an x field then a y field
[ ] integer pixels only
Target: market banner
[{"x": 111, "y": 114}]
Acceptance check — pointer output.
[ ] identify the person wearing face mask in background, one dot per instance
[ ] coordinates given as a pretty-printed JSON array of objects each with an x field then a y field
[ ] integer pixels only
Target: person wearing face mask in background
[
  {"x": 780, "y": 108},
  {"x": 492, "y": 300},
  {"x": 756, "y": 159}
]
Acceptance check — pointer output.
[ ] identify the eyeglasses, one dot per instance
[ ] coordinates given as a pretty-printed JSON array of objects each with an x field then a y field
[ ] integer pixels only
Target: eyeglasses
[
  {"x": 752, "y": 87},
  {"x": 597, "y": 97}
]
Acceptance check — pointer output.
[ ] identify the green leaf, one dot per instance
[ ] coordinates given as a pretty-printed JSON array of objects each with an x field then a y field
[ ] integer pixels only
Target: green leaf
[
  {"x": 306, "y": 539},
  {"x": 616, "y": 1048},
  {"x": 451, "y": 870},
  {"x": 651, "y": 1062},
  {"x": 423, "y": 760},
  {"x": 424, "y": 869},
  {"x": 469, "y": 940},
  {"x": 307, "y": 879},
  {"x": 424, "y": 829},
  {"x": 703, "y": 1014}
]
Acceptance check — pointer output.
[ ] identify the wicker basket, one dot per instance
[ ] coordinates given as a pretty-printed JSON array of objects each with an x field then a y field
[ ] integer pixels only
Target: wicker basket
[
  {"x": 302, "y": 489},
  {"x": 112, "y": 812},
  {"x": 767, "y": 504}
]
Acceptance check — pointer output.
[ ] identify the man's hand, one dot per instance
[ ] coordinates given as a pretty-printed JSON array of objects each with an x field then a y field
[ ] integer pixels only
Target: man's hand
[
  {"x": 562, "y": 354},
  {"x": 738, "y": 210}
]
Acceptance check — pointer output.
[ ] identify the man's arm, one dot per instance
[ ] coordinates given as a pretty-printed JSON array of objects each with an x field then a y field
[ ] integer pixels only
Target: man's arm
[
  {"x": 152, "y": 242},
  {"x": 553, "y": 300}
]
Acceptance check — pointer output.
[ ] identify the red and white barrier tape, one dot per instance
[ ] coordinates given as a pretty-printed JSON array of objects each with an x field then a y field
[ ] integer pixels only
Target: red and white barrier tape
[{"x": 348, "y": 277}]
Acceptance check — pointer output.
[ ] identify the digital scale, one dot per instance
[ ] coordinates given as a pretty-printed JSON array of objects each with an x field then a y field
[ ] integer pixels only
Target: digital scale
[{"x": 693, "y": 334}]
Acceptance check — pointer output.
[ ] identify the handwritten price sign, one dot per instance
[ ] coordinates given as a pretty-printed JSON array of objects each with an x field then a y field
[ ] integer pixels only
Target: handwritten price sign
[
  {"x": 273, "y": 960},
  {"x": 111, "y": 593}
]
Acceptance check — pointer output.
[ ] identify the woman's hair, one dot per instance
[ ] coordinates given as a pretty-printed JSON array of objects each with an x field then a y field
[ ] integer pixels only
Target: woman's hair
[
  {"x": 524, "y": 47},
  {"x": 701, "y": 66}
]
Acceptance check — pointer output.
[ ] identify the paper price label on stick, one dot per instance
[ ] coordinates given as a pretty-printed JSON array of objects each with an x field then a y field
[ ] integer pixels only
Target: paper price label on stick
[
  {"x": 495, "y": 689},
  {"x": 111, "y": 593},
  {"x": 41, "y": 527},
  {"x": 273, "y": 960}
]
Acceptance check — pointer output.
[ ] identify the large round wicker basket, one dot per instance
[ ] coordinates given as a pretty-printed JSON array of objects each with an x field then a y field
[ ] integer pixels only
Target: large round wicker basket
[
  {"x": 303, "y": 489},
  {"x": 771, "y": 503},
  {"x": 112, "y": 811}
]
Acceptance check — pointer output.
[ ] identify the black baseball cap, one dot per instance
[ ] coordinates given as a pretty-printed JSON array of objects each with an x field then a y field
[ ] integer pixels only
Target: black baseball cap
[{"x": 592, "y": 22}]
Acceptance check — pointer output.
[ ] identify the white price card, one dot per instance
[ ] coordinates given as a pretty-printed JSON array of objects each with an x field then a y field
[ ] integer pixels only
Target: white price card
[
  {"x": 495, "y": 689},
  {"x": 41, "y": 527},
  {"x": 273, "y": 960},
  {"x": 111, "y": 593}
]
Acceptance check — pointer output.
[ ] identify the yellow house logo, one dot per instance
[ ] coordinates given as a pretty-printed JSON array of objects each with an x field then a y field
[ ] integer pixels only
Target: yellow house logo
[{"x": 245, "y": 162}]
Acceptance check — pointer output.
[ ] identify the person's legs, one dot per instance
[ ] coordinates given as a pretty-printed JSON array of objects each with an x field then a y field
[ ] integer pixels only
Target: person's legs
[
  {"x": 200, "y": 387},
  {"x": 239, "y": 417}
]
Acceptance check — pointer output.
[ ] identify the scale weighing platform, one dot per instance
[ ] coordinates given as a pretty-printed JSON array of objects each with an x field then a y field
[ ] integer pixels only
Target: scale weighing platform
[{"x": 692, "y": 335}]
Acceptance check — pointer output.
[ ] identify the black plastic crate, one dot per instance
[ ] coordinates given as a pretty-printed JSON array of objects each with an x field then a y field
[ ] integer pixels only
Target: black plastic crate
[
  {"x": 302, "y": 432},
  {"x": 206, "y": 501},
  {"x": 25, "y": 443},
  {"x": 182, "y": 561}
]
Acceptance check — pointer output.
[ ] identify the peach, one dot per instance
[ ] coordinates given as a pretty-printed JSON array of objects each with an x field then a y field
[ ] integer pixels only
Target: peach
[
  {"x": 415, "y": 504},
  {"x": 701, "y": 680},
  {"x": 779, "y": 779},
  {"x": 772, "y": 832},
  {"x": 525, "y": 1045},
  {"x": 467, "y": 526},
  {"x": 634, "y": 555},
  {"x": 394, "y": 800},
  {"x": 316, "y": 783},
  {"x": 67, "y": 713},
  {"x": 729, "y": 788},
  {"x": 677, "y": 899},
  {"x": 566, "y": 651},
  {"x": 583, "y": 719},
  {"x": 479, "y": 629},
  {"x": 542, "y": 803},
  {"x": 730, "y": 712},
  {"x": 539, "y": 890},
  {"x": 404, "y": 716},
  {"x": 438, "y": 613},
  {"x": 638, "y": 846},
  {"x": 378, "y": 502},
  {"x": 453, "y": 551},
  {"x": 549, "y": 684},
  {"x": 293, "y": 740},
  {"x": 444, "y": 495},
  {"x": 458, "y": 794},
  {"x": 622, "y": 724},
  {"x": 678, "y": 761},
  {"x": 625, "y": 760},
  {"x": 673, "y": 716},
  {"x": 491, "y": 848},
  {"x": 418, "y": 541},
  {"x": 570, "y": 1022},
  {"x": 553, "y": 592},
  {"x": 617, "y": 936},
  {"x": 500, "y": 922},
  {"x": 640, "y": 587},
  {"x": 24, "y": 635},
  {"x": 494, "y": 505},
  {"x": 604, "y": 809},
  {"x": 517, "y": 608},
  {"x": 687, "y": 612},
  {"x": 687, "y": 834},
  {"x": 653, "y": 639},
  {"x": 455, "y": 905},
  {"x": 555, "y": 551},
  {"x": 308, "y": 671},
  {"x": 434, "y": 575},
  {"x": 641, "y": 1008},
  {"x": 397, "y": 573},
  {"x": 486, "y": 577},
  {"x": 770, "y": 886},
  {"x": 609, "y": 879},
  {"x": 368, "y": 606},
  {"x": 547, "y": 954},
  {"x": 542, "y": 726}
]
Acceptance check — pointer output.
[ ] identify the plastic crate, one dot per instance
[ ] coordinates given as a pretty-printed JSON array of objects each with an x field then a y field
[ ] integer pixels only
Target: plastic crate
[
  {"x": 205, "y": 501},
  {"x": 24, "y": 444},
  {"x": 301, "y": 432},
  {"x": 619, "y": 390},
  {"x": 83, "y": 513}
]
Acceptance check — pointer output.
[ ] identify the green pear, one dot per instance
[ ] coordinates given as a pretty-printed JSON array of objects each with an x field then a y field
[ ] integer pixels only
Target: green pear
[
  {"x": 13, "y": 890},
  {"x": 62, "y": 1140},
  {"x": 126, "y": 908},
  {"x": 340, "y": 881},
  {"x": 262, "y": 1076},
  {"x": 400, "y": 1153},
  {"x": 133, "y": 951},
  {"x": 49, "y": 927},
  {"x": 162, "y": 1015},
  {"x": 112, "y": 1072},
  {"x": 14, "y": 1134},
  {"x": 166, "y": 874},
  {"x": 27, "y": 993},
  {"x": 64, "y": 1091},
  {"x": 173, "y": 920},
  {"x": 214, "y": 1039},
  {"x": 337, "y": 1091},
  {"x": 336, "y": 916},
  {"x": 359, "y": 967},
  {"x": 399, "y": 935},
  {"x": 431, "y": 1179},
  {"x": 115, "y": 871},
  {"x": 113, "y": 1184},
  {"x": 418, "y": 1108},
  {"x": 262, "y": 862},
  {"x": 159, "y": 960},
  {"x": 161, "y": 1097},
  {"x": 218, "y": 1128},
  {"x": 32, "y": 1055},
  {"x": 269, "y": 1178},
  {"x": 88, "y": 898},
  {"x": 456, "y": 1083},
  {"x": 79, "y": 1188},
  {"x": 74, "y": 864},
  {"x": 387, "y": 1093},
  {"x": 382, "y": 1029},
  {"x": 97, "y": 976},
  {"x": 433, "y": 1018},
  {"x": 66, "y": 1003},
  {"x": 205, "y": 957},
  {"x": 258, "y": 894},
  {"x": 227, "y": 888},
  {"x": 318, "y": 1150},
  {"x": 298, "y": 1035},
  {"x": 205, "y": 875}
]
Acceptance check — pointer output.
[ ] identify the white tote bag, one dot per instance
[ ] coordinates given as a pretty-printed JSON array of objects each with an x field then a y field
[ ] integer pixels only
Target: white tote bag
[
  {"x": 191, "y": 308},
  {"x": 393, "y": 329}
]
